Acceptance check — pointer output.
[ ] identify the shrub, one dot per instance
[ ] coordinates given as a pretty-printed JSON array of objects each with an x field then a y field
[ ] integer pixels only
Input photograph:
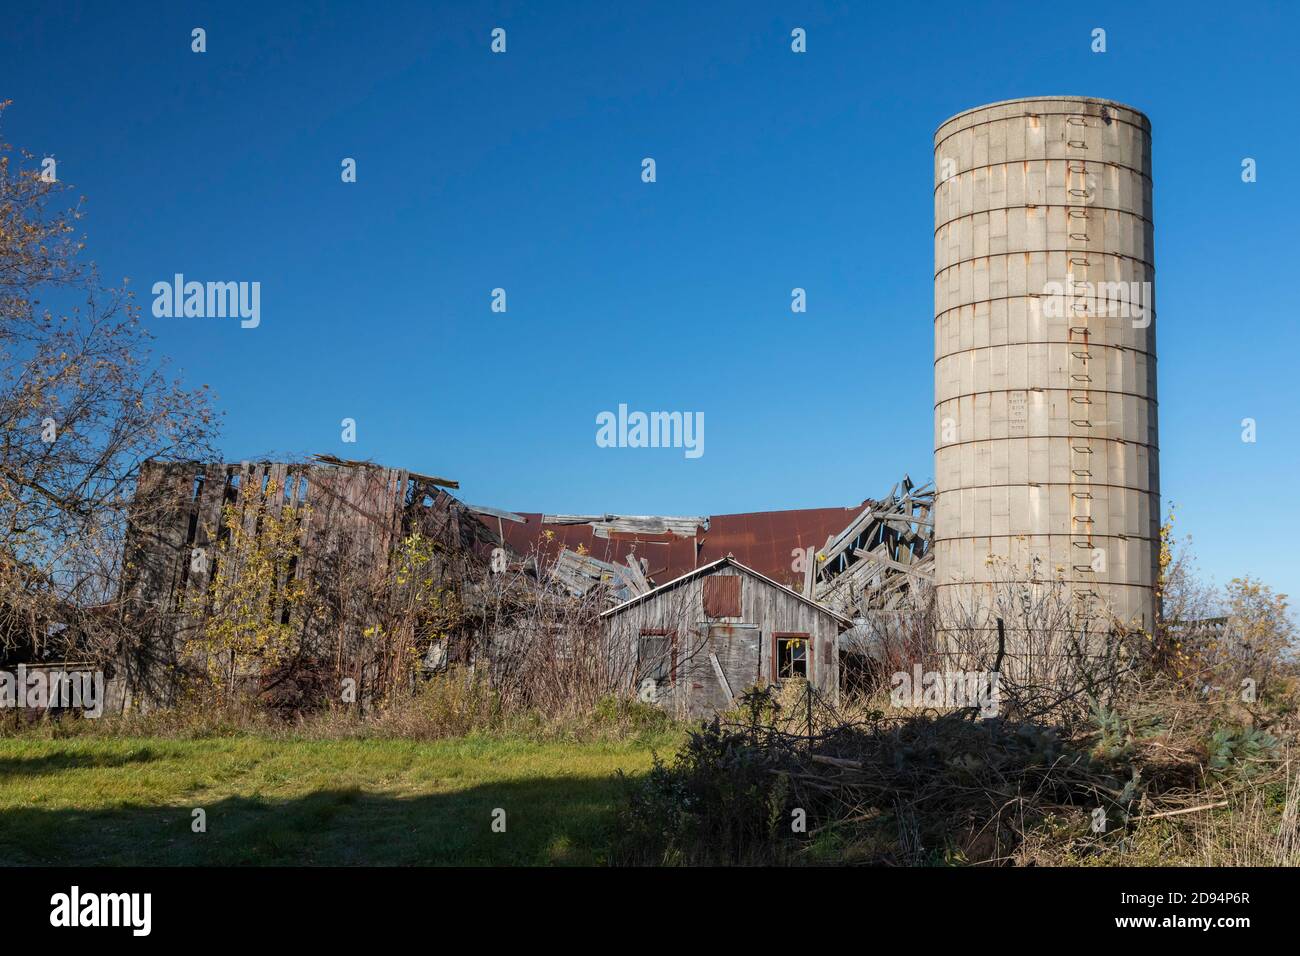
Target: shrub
[{"x": 723, "y": 800}]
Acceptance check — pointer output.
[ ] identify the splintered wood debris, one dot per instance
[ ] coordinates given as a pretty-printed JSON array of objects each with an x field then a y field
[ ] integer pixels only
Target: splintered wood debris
[
  {"x": 579, "y": 573},
  {"x": 880, "y": 557},
  {"x": 355, "y": 463},
  {"x": 602, "y": 525},
  {"x": 497, "y": 513}
]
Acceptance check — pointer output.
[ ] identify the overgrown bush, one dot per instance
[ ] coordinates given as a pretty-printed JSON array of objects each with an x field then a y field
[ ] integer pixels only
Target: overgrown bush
[{"x": 722, "y": 800}]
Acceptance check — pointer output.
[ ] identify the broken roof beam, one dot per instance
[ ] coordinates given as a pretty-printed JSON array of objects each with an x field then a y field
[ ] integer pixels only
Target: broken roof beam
[
  {"x": 635, "y": 576},
  {"x": 885, "y": 561},
  {"x": 497, "y": 513},
  {"x": 683, "y": 527},
  {"x": 360, "y": 463},
  {"x": 859, "y": 575},
  {"x": 846, "y": 537}
]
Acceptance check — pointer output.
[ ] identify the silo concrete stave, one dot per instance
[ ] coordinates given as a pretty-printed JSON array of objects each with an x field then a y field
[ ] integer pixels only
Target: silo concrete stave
[{"x": 1046, "y": 452}]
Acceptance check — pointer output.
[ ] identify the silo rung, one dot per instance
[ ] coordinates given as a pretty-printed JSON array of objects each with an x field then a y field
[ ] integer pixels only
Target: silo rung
[
  {"x": 1077, "y": 144},
  {"x": 1082, "y": 378},
  {"x": 1081, "y": 399},
  {"x": 1079, "y": 236},
  {"x": 1084, "y": 568},
  {"x": 1081, "y": 472},
  {"x": 1081, "y": 494},
  {"x": 1080, "y": 423},
  {"x": 1078, "y": 330}
]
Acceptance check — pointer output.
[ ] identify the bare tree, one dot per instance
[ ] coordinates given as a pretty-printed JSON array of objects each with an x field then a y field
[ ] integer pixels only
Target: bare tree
[{"x": 82, "y": 405}]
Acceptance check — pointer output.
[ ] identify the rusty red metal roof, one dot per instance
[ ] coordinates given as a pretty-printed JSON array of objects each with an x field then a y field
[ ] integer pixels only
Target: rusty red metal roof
[{"x": 762, "y": 540}]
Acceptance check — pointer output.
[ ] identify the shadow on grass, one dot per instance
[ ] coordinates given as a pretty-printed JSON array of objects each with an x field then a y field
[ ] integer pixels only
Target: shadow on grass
[
  {"x": 59, "y": 762},
  {"x": 548, "y": 821}
]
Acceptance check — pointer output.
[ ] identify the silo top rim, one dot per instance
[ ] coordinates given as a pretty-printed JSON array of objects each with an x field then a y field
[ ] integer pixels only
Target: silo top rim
[{"x": 1041, "y": 99}]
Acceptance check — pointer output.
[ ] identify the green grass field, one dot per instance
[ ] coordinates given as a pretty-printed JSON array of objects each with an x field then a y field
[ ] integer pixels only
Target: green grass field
[{"x": 88, "y": 801}]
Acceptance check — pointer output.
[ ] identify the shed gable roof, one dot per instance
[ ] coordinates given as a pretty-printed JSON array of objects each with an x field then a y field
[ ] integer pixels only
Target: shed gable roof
[{"x": 709, "y": 569}]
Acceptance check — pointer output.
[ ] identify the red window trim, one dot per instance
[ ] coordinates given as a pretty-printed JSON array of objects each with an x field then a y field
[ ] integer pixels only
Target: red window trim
[{"x": 776, "y": 659}]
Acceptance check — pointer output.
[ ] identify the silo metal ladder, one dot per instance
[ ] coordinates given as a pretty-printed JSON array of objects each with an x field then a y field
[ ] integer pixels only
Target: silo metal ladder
[{"x": 1081, "y": 574}]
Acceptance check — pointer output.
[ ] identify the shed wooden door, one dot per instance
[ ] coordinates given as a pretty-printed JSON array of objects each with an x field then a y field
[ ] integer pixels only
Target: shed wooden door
[{"x": 736, "y": 648}]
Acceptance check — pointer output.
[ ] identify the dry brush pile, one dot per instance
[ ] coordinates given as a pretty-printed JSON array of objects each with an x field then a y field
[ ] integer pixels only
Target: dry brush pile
[{"x": 1108, "y": 752}]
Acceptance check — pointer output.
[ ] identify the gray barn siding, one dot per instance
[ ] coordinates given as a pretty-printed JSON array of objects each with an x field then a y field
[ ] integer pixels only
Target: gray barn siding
[
  {"x": 351, "y": 516},
  {"x": 743, "y": 644}
]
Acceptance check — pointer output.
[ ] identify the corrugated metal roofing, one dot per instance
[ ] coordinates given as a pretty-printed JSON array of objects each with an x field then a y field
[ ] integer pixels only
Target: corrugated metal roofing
[{"x": 763, "y": 541}]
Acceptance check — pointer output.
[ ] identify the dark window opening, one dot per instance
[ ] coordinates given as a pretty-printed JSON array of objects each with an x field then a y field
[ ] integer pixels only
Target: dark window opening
[
  {"x": 791, "y": 657},
  {"x": 861, "y": 675},
  {"x": 654, "y": 657}
]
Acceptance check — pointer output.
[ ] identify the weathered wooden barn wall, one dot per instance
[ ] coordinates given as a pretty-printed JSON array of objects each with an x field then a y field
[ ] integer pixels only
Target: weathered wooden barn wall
[
  {"x": 351, "y": 516},
  {"x": 744, "y": 643}
]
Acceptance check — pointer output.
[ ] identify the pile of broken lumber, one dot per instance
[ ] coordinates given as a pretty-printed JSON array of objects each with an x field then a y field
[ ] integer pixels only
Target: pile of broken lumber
[
  {"x": 579, "y": 573},
  {"x": 880, "y": 558}
]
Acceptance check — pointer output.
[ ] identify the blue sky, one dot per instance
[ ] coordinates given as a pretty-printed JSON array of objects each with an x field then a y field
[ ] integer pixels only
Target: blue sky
[{"x": 774, "y": 170}]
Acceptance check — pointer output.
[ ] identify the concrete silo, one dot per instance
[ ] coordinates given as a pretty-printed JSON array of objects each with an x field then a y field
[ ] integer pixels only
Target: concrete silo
[{"x": 1046, "y": 457}]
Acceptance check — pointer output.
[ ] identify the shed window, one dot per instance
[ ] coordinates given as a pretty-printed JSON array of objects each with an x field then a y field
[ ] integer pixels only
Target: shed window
[
  {"x": 722, "y": 596},
  {"x": 654, "y": 657},
  {"x": 792, "y": 655}
]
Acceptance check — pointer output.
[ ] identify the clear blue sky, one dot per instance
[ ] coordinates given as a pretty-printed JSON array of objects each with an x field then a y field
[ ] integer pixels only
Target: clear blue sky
[{"x": 775, "y": 170}]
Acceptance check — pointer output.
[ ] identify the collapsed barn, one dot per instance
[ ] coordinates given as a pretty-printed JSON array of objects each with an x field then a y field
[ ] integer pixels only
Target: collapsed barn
[
  {"x": 201, "y": 533},
  {"x": 505, "y": 593}
]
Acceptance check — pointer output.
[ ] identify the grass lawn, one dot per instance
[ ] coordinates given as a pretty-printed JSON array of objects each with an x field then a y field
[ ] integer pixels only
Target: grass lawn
[{"x": 87, "y": 801}]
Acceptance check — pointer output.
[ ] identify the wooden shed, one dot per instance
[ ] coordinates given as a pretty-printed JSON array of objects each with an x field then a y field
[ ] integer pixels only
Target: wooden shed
[{"x": 696, "y": 643}]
